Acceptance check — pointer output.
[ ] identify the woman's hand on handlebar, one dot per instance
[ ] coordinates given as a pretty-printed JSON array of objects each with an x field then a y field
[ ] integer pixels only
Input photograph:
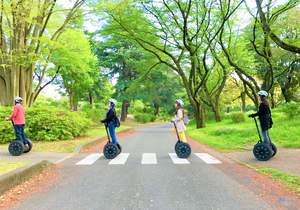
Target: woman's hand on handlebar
[{"x": 251, "y": 115}]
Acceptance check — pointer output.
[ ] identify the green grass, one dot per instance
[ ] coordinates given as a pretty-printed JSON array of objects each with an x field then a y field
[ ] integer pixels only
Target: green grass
[
  {"x": 291, "y": 181},
  {"x": 68, "y": 146},
  {"x": 7, "y": 165},
  {"x": 228, "y": 136}
]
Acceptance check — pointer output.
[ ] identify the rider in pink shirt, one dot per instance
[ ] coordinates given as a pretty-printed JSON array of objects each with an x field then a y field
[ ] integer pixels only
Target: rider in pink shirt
[
  {"x": 18, "y": 119},
  {"x": 18, "y": 115}
]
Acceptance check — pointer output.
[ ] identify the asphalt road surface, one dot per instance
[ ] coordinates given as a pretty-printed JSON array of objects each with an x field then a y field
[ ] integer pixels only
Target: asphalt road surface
[{"x": 147, "y": 175}]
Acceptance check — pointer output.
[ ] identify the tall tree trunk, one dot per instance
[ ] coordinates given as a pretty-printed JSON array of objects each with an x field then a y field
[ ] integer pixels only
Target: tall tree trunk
[
  {"x": 216, "y": 111},
  {"x": 199, "y": 116},
  {"x": 90, "y": 98},
  {"x": 243, "y": 99},
  {"x": 286, "y": 94},
  {"x": 273, "y": 103},
  {"x": 124, "y": 112},
  {"x": 156, "y": 107}
]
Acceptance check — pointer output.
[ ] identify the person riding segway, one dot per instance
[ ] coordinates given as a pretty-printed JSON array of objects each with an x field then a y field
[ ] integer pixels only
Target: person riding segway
[
  {"x": 112, "y": 148},
  {"x": 182, "y": 148},
  {"x": 264, "y": 149},
  {"x": 21, "y": 144}
]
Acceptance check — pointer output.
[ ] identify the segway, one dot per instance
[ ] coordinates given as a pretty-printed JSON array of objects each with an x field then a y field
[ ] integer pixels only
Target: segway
[
  {"x": 261, "y": 150},
  {"x": 111, "y": 150},
  {"x": 182, "y": 149},
  {"x": 17, "y": 147}
]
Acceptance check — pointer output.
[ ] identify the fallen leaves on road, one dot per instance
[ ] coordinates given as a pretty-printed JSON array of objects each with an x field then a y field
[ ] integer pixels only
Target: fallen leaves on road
[{"x": 38, "y": 183}]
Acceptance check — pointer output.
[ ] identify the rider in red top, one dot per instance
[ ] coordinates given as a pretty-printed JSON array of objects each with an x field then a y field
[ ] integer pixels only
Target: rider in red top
[{"x": 18, "y": 119}]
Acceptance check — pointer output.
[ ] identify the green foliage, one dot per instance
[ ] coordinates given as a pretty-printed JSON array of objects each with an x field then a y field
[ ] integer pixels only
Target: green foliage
[
  {"x": 291, "y": 110},
  {"x": 46, "y": 124},
  {"x": 230, "y": 136},
  {"x": 137, "y": 106},
  {"x": 144, "y": 118},
  {"x": 238, "y": 117},
  {"x": 6, "y": 129},
  {"x": 76, "y": 63},
  {"x": 95, "y": 114}
]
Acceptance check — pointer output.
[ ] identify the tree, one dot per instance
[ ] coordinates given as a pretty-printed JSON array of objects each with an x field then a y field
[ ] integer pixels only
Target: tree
[
  {"x": 266, "y": 21},
  {"x": 76, "y": 64},
  {"x": 178, "y": 34},
  {"x": 24, "y": 34}
]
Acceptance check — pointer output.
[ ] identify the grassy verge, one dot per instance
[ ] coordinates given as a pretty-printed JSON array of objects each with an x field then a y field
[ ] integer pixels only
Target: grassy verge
[
  {"x": 229, "y": 136},
  {"x": 7, "y": 165},
  {"x": 291, "y": 181},
  {"x": 68, "y": 146}
]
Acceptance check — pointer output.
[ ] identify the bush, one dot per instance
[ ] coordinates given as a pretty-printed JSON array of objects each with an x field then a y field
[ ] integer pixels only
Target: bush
[
  {"x": 46, "y": 124},
  {"x": 238, "y": 117},
  {"x": 144, "y": 118},
  {"x": 291, "y": 109},
  {"x": 138, "y": 106},
  {"x": 95, "y": 114}
]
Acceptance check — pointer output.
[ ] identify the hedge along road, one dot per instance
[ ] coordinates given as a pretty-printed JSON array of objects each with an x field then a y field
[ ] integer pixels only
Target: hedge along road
[{"x": 147, "y": 175}]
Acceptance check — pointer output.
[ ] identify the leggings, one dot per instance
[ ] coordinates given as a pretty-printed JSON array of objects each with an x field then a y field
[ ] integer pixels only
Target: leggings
[
  {"x": 182, "y": 136},
  {"x": 112, "y": 132}
]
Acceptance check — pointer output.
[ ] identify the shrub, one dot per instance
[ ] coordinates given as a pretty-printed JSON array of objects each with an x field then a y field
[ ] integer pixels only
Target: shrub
[
  {"x": 95, "y": 114},
  {"x": 47, "y": 124},
  {"x": 144, "y": 118},
  {"x": 291, "y": 109},
  {"x": 237, "y": 117},
  {"x": 224, "y": 131},
  {"x": 138, "y": 106}
]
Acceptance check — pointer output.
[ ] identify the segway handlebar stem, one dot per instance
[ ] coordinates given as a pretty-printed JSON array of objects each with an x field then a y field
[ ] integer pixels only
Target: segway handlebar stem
[
  {"x": 176, "y": 130},
  {"x": 108, "y": 136},
  {"x": 258, "y": 132}
]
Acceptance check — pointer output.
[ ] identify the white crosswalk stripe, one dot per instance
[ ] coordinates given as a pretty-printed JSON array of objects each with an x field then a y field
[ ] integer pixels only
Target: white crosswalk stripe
[
  {"x": 149, "y": 158},
  {"x": 177, "y": 160},
  {"x": 207, "y": 158},
  {"x": 89, "y": 160},
  {"x": 120, "y": 159}
]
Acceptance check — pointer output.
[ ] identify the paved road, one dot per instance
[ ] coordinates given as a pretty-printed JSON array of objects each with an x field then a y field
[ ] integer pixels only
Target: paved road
[{"x": 145, "y": 176}]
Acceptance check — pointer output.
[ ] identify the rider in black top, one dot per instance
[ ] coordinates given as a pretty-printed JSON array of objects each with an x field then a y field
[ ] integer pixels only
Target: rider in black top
[
  {"x": 264, "y": 114},
  {"x": 111, "y": 120}
]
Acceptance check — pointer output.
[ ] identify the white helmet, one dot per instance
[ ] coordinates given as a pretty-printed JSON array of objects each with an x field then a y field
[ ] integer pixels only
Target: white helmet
[
  {"x": 18, "y": 99},
  {"x": 180, "y": 102},
  {"x": 263, "y": 93},
  {"x": 113, "y": 101}
]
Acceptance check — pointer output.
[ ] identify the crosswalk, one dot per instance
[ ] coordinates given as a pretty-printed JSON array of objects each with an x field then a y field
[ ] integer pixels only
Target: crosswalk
[{"x": 147, "y": 159}]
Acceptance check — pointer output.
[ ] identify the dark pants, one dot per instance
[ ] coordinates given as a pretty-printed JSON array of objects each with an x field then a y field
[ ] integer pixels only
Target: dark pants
[{"x": 20, "y": 135}]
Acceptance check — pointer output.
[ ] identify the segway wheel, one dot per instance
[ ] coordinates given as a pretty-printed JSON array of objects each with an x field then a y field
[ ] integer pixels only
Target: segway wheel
[
  {"x": 110, "y": 151},
  {"x": 176, "y": 144},
  {"x": 119, "y": 148},
  {"x": 262, "y": 152},
  {"x": 274, "y": 148},
  {"x": 16, "y": 148},
  {"x": 183, "y": 150},
  {"x": 28, "y": 146}
]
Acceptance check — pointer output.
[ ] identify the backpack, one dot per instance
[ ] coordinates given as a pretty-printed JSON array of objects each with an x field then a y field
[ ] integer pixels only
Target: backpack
[
  {"x": 186, "y": 119},
  {"x": 117, "y": 122},
  {"x": 270, "y": 123}
]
